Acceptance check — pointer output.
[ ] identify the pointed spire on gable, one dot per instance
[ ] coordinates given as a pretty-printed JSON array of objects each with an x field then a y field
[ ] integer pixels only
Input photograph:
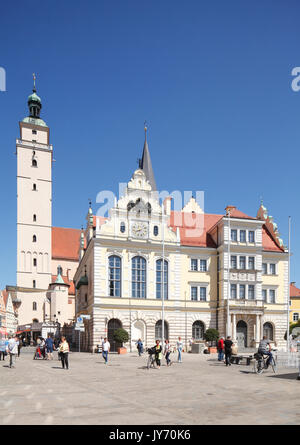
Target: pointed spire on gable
[{"x": 145, "y": 162}]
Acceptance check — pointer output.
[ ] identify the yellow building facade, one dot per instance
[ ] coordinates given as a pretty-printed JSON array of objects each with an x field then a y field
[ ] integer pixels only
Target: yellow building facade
[{"x": 294, "y": 303}]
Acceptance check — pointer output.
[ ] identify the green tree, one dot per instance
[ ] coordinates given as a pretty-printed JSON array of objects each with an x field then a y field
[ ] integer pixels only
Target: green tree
[
  {"x": 211, "y": 335},
  {"x": 292, "y": 326},
  {"x": 121, "y": 336}
]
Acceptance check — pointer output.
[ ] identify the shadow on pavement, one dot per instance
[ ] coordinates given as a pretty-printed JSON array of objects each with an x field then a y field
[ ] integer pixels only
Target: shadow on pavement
[{"x": 290, "y": 376}]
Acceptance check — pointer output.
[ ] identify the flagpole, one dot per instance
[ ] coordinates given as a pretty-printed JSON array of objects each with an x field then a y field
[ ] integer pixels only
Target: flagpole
[
  {"x": 288, "y": 294},
  {"x": 228, "y": 278},
  {"x": 163, "y": 279}
]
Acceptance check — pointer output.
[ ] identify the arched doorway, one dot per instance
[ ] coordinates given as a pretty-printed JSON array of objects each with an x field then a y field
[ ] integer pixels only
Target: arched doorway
[
  {"x": 268, "y": 331},
  {"x": 113, "y": 324},
  {"x": 138, "y": 331},
  {"x": 198, "y": 330},
  {"x": 241, "y": 334},
  {"x": 158, "y": 330}
]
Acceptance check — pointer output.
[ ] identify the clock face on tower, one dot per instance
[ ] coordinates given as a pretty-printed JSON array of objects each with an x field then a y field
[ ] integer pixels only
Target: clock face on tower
[{"x": 139, "y": 229}]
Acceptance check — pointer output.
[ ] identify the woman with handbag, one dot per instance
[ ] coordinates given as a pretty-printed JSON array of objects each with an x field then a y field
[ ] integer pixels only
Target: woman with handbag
[{"x": 64, "y": 352}]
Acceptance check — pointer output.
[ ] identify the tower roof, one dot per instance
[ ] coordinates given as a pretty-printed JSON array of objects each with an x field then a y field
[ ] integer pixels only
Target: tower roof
[{"x": 146, "y": 164}]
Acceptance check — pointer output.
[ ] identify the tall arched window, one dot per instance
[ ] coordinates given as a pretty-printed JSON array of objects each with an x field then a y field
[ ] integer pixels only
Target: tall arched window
[
  {"x": 159, "y": 279},
  {"x": 158, "y": 330},
  {"x": 268, "y": 331},
  {"x": 198, "y": 330},
  {"x": 138, "y": 265},
  {"x": 34, "y": 163},
  {"x": 34, "y": 239},
  {"x": 122, "y": 227},
  {"x": 114, "y": 276},
  {"x": 34, "y": 218},
  {"x": 34, "y": 306}
]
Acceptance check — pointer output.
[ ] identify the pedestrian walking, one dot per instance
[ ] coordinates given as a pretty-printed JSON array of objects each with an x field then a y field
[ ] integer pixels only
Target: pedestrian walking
[
  {"x": 64, "y": 352},
  {"x": 3, "y": 348},
  {"x": 43, "y": 348},
  {"x": 49, "y": 344},
  {"x": 227, "y": 347},
  {"x": 191, "y": 341},
  {"x": 220, "y": 349},
  {"x": 158, "y": 353},
  {"x": 19, "y": 346},
  {"x": 140, "y": 346},
  {"x": 167, "y": 352},
  {"x": 13, "y": 350},
  {"x": 105, "y": 350},
  {"x": 179, "y": 346}
]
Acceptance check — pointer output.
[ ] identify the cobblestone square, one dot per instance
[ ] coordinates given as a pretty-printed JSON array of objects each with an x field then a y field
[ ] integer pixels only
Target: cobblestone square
[{"x": 199, "y": 391}]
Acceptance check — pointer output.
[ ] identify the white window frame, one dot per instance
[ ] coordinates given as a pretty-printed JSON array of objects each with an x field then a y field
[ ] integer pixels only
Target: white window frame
[
  {"x": 297, "y": 314},
  {"x": 275, "y": 296},
  {"x": 191, "y": 268},
  {"x": 254, "y": 292},
  {"x": 254, "y": 262},
  {"x": 198, "y": 285}
]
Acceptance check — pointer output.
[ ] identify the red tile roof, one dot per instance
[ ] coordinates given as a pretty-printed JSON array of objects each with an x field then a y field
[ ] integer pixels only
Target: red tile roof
[
  {"x": 194, "y": 228},
  {"x": 268, "y": 241},
  {"x": 65, "y": 243},
  {"x": 190, "y": 236},
  {"x": 71, "y": 290},
  {"x": 294, "y": 291},
  {"x": 236, "y": 213}
]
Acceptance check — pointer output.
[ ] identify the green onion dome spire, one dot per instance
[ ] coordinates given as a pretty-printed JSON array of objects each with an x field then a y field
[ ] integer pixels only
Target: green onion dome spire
[{"x": 34, "y": 102}]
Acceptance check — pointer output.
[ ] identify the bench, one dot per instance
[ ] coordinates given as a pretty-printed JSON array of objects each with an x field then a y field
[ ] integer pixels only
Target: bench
[{"x": 236, "y": 359}]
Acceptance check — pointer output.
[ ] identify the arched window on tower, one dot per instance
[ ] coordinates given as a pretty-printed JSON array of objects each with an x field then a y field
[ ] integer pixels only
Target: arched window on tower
[
  {"x": 34, "y": 217},
  {"x": 34, "y": 187},
  {"x": 34, "y": 239},
  {"x": 34, "y": 163},
  {"x": 34, "y": 306}
]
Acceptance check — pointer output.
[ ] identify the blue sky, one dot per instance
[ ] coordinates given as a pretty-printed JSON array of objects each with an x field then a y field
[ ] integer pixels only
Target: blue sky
[{"x": 213, "y": 79}]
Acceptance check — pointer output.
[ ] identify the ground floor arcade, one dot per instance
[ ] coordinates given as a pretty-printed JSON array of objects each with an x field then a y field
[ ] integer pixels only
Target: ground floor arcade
[{"x": 246, "y": 327}]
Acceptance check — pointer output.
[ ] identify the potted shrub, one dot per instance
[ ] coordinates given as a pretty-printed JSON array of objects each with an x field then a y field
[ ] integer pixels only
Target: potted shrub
[
  {"x": 121, "y": 336},
  {"x": 212, "y": 335}
]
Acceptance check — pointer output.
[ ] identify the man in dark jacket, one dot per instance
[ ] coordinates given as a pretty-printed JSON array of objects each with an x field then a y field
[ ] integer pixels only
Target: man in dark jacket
[{"x": 227, "y": 346}]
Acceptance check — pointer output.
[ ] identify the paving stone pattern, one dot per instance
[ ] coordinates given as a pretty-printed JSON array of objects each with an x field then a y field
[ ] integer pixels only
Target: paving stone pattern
[{"x": 199, "y": 391}]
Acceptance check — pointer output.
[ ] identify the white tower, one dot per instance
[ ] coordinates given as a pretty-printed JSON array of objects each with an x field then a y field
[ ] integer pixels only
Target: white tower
[{"x": 34, "y": 212}]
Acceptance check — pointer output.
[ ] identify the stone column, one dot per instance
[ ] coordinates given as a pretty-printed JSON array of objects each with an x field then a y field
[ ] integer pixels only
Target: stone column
[
  {"x": 257, "y": 326},
  {"x": 234, "y": 327}
]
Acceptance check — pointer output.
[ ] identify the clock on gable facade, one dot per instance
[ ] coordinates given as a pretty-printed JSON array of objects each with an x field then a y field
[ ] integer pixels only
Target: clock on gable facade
[{"x": 139, "y": 229}]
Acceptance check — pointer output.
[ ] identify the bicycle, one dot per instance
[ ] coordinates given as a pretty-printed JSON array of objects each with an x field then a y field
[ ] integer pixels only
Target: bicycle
[
  {"x": 151, "y": 363},
  {"x": 260, "y": 363}
]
